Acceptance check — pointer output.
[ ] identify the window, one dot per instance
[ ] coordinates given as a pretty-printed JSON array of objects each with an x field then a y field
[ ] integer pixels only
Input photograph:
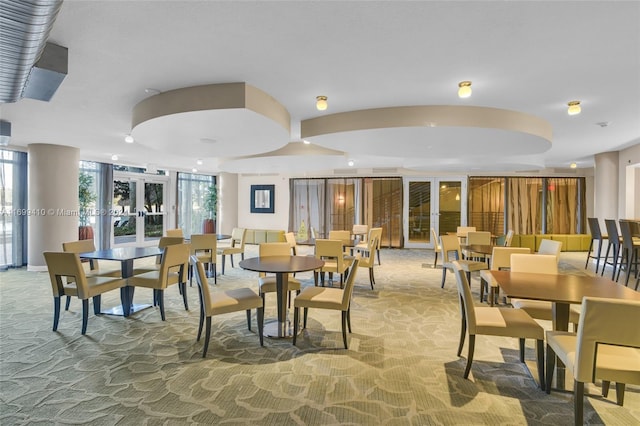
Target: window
[
  {"x": 13, "y": 202},
  {"x": 192, "y": 189}
]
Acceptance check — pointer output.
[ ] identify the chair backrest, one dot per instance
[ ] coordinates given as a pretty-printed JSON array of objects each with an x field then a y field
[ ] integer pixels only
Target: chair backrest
[
  {"x": 204, "y": 244},
  {"x": 175, "y": 232},
  {"x": 594, "y": 227},
  {"x": 332, "y": 249},
  {"x": 81, "y": 246},
  {"x": 450, "y": 248},
  {"x": 508, "y": 238},
  {"x": 348, "y": 286},
  {"x": 612, "y": 232},
  {"x": 436, "y": 240},
  {"x": 376, "y": 233},
  {"x": 550, "y": 247},
  {"x": 273, "y": 249},
  {"x": 168, "y": 241},
  {"x": 368, "y": 259},
  {"x": 203, "y": 288},
  {"x": 627, "y": 236},
  {"x": 462, "y": 231},
  {"x": 237, "y": 237},
  {"x": 344, "y": 236},
  {"x": 290, "y": 237},
  {"x": 604, "y": 321},
  {"x": 479, "y": 237},
  {"x": 361, "y": 230},
  {"x": 467, "y": 308},
  {"x": 66, "y": 265},
  {"x": 314, "y": 233},
  {"x": 534, "y": 263},
  {"x": 175, "y": 256},
  {"x": 501, "y": 256}
]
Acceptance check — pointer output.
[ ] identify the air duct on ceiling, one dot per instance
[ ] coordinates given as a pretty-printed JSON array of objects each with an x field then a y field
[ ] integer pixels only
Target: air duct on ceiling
[{"x": 24, "y": 28}]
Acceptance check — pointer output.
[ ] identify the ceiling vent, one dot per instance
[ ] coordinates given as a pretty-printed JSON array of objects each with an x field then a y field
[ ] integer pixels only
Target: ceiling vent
[
  {"x": 47, "y": 74},
  {"x": 25, "y": 26},
  {"x": 341, "y": 172},
  {"x": 385, "y": 170}
]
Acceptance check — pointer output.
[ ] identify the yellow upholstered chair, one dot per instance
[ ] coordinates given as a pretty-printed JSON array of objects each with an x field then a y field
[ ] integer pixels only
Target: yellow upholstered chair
[
  {"x": 68, "y": 279},
  {"x": 500, "y": 260},
  {"x": 237, "y": 246},
  {"x": 205, "y": 248},
  {"x": 173, "y": 270},
  {"x": 541, "y": 264},
  {"x": 373, "y": 233},
  {"x": 224, "y": 302},
  {"x": 550, "y": 247},
  {"x": 338, "y": 299},
  {"x": 360, "y": 231},
  {"x": 508, "y": 238},
  {"x": 436, "y": 245},
  {"x": 462, "y": 231},
  {"x": 342, "y": 235},
  {"x": 267, "y": 283},
  {"x": 495, "y": 321},
  {"x": 175, "y": 233},
  {"x": 480, "y": 238},
  {"x": 602, "y": 349},
  {"x": 368, "y": 260},
  {"x": 290, "y": 237},
  {"x": 163, "y": 242},
  {"x": 331, "y": 252},
  {"x": 450, "y": 248}
]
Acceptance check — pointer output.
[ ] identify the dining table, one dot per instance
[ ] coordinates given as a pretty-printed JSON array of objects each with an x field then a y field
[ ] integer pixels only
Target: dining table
[
  {"x": 281, "y": 266},
  {"x": 126, "y": 257}
]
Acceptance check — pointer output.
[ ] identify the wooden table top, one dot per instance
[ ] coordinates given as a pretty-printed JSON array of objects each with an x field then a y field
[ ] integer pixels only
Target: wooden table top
[
  {"x": 479, "y": 248},
  {"x": 560, "y": 288},
  {"x": 122, "y": 253},
  {"x": 281, "y": 264}
]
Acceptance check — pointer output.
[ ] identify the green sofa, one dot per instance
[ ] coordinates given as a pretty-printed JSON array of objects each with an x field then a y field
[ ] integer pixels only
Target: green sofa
[
  {"x": 570, "y": 242},
  {"x": 257, "y": 236}
]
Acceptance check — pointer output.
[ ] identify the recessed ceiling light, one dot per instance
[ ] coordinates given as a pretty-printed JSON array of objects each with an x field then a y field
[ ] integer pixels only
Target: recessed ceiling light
[
  {"x": 574, "y": 108},
  {"x": 464, "y": 89},
  {"x": 573, "y": 165},
  {"x": 321, "y": 103},
  {"x": 199, "y": 162},
  {"x": 151, "y": 91},
  {"x": 306, "y": 142},
  {"x": 194, "y": 170},
  {"x": 114, "y": 157},
  {"x": 350, "y": 163},
  {"x": 129, "y": 139}
]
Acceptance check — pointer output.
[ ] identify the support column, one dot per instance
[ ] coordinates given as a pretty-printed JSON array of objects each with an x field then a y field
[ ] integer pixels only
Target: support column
[
  {"x": 53, "y": 200},
  {"x": 227, "y": 202},
  {"x": 606, "y": 186}
]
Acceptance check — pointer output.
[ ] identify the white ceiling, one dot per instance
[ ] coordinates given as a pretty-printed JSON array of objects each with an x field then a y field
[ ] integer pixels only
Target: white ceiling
[{"x": 531, "y": 57}]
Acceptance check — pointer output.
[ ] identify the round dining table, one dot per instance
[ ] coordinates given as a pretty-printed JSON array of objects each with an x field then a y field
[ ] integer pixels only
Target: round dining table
[{"x": 281, "y": 266}]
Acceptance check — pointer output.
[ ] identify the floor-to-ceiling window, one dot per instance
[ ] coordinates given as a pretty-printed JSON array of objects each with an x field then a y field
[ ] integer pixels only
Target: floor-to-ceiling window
[
  {"x": 192, "y": 189},
  {"x": 13, "y": 209},
  {"x": 486, "y": 204}
]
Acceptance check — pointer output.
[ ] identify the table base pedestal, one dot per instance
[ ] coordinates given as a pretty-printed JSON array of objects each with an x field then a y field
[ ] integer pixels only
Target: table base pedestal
[
  {"x": 117, "y": 310},
  {"x": 279, "y": 330}
]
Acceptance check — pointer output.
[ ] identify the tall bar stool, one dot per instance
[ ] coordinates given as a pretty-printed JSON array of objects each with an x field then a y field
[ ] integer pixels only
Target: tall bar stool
[
  {"x": 629, "y": 255},
  {"x": 614, "y": 241},
  {"x": 596, "y": 235}
]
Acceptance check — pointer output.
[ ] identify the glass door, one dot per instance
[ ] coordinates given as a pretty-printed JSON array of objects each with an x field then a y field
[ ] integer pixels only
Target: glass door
[
  {"x": 438, "y": 203},
  {"x": 140, "y": 203}
]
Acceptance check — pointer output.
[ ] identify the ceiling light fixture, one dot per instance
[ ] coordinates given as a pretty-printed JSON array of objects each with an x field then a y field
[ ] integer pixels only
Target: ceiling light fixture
[
  {"x": 194, "y": 170},
  {"x": 199, "y": 162},
  {"x": 128, "y": 139},
  {"x": 574, "y": 108},
  {"x": 350, "y": 163},
  {"x": 321, "y": 103},
  {"x": 573, "y": 165},
  {"x": 114, "y": 157},
  {"x": 306, "y": 142},
  {"x": 464, "y": 89}
]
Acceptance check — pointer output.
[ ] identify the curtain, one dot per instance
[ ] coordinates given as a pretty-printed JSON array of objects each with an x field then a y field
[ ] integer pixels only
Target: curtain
[
  {"x": 306, "y": 207},
  {"x": 486, "y": 204},
  {"x": 524, "y": 214},
  {"x": 104, "y": 204},
  {"x": 13, "y": 198},
  {"x": 562, "y": 206}
]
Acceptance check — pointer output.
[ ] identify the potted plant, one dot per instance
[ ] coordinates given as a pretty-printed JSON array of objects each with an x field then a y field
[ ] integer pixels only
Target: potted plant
[
  {"x": 211, "y": 207},
  {"x": 86, "y": 197}
]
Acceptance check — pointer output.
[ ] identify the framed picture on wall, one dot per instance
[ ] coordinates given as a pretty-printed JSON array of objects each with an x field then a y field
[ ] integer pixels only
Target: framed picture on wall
[{"x": 262, "y": 198}]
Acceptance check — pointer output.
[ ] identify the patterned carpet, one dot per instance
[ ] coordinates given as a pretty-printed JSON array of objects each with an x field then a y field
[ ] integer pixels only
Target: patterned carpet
[{"x": 401, "y": 367}]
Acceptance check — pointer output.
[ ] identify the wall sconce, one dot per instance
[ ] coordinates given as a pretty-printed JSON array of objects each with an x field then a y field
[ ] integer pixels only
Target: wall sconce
[
  {"x": 457, "y": 197},
  {"x": 321, "y": 103},
  {"x": 464, "y": 89},
  {"x": 340, "y": 199},
  {"x": 574, "y": 108}
]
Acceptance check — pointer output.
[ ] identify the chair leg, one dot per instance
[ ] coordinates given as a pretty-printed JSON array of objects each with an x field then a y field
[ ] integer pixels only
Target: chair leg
[
  {"x": 372, "y": 280},
  {"x": 96, "y": 304},
  {"x": 67, "y": 303},
  {"x": 472, "y": 343},
  {"x": 344, "y": 329},
  {"x": 223, "y": 256},
  {"x": 305, "y": 312},
  {"x": 160, "y": 297},
  {"x": 85, "y": 315},
  {"x": 249, "y": 319},
  {"x": 551, "y": 365},
  {"x": 296, "y": 314},
  {"x": 215, "y": 274},
  {"x": 578, "y": 402},
  {"x": 598, "y": 255},
  {"x": 540, "y": 360},
  {"x": 435, "y": 262},
  {"x": 463, "y": 334},
  {"x": 589, "y": 255},
  {"x": 183, "y": 286},
  {"x": 56, "y": 311},
  {"x": 349, "y": 319},
  {"x": 483, "y": 285},
  {"x": 605, "y": 388},
  {"x": 207, "y": 336},
  {"x": 379, "y": 263},
  {"x": 231, "y": 258},
  {"x": 620, "y": 393},
  {"x": 444, "y": 276},
  {"x": 606, "y": 256},
  {"x": 200, "y": 324},
  {"x": 521, "y": 341},
  {"x": 260, "y": 315}
]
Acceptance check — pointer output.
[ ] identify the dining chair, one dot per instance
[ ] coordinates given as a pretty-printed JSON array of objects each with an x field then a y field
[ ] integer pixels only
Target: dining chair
[
  {"x": 601, "y": 349},
  {"x": 290, "y": 237},
  {"x": 360, "y": 231},
  {"x": 368, "y": 260},
  {"x": 436, "y": 246},
  {"x": 508, "y": 238},
  {"x": 331, "y": 252},
  {"x": 477, "y": 237},
  {"x": 267, "y": 283},
  {"x": 173, "y": 270},
  {"x": 550, "y": 247},
  {"x": 540, "y": 264},
  {"x": 93, "y": 270},
  {"x": 338, "y": 299},
  {"x": 495, "y": 321},
  {"x": 175, "y": 233},
  {"x": 342, "y": 235},
  {"x": 68, "y": 279},
  {"x": 596, "y": 235},
  {"x": 163, "y": 242},
  {"x": 450, "y": 248},
  {"x": 629, "y": 252},
  {"x": 236, "y": 246},
  {"x": 500, "y": 260},
  {"x": 373, "y": 233},
  {"x": 204, "y": 247},
  {"x": 615, "y": 243},
  {"x": 462, "y": 231},
  {"x": 224, "y": 302}
]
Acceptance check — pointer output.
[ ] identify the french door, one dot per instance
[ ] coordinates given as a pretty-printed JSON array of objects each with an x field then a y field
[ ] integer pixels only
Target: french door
[
  {"x": 139, "y": 199},
  {"x": 439, "y": 203}
]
